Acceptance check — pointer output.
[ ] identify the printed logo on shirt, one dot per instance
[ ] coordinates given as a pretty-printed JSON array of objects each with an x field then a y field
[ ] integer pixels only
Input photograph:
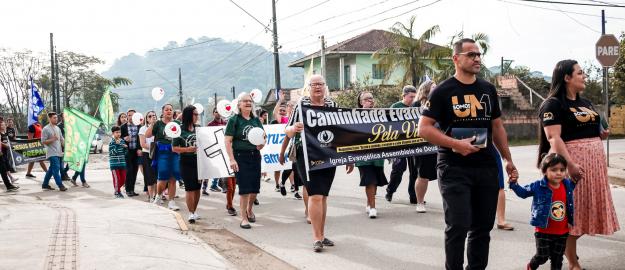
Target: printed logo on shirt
[
  {"x": 246, "y": 130},
  {"x": 583, "y": 114},
  {"x": 547, "y": 116},
  {"x": 558, "y": 211},
  {"x": 190, "y": 140},
  {"x": 471, "y": 105}
]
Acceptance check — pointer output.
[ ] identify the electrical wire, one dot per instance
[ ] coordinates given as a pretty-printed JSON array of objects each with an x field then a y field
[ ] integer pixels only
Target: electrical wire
[
  {"x": 301, "y": 11},
  {"x": 573, "y": 3},
  {"x": 249, "y": 14},
  {"x": 567, "y": 11},
  {"x": 186, "y": 46}
]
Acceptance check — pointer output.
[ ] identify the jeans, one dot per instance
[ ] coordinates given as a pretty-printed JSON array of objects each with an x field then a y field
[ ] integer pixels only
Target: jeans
[
  {"x": 469, "y": 202},
  {"x": 399, "y": 167},
  {"x": 80, "y": 174},
  {"x": 214, "y": 183},
  {"x": 53, "y": 171}
]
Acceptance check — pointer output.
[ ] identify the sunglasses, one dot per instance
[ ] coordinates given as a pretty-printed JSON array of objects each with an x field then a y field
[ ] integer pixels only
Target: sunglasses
[{"x": 472, "y": 55}]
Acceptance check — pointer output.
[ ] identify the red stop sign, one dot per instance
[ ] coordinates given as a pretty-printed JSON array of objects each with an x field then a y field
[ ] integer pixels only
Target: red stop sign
[{"x": 607, "y": 50}]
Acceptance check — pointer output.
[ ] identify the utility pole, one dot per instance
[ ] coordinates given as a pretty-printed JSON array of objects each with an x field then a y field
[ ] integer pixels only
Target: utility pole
[
  {"x": 503, "y": 62},
  {"x": 180, "y": 87},
  {"x": 233, "y": 95},
  {"x": 58, "y": 84},
  {"x": 605, "y": 92},
  {"x": 276, "y": 56},
  {"x": 215, "y": 99},
  {"x": 53, "y": 84},
  {"x": 323, "y": 56}
]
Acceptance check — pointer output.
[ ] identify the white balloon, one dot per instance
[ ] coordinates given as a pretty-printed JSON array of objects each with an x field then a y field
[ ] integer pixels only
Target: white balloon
[
  {"x": 257, "y": 95},
  {"x": 235, "y": 105},
  {"x": 173, "y": 130},
  {"x": 224, "y": 108},
  {"x": 256, "y": 136},
  {"x": 158, "y": 93},
  {"x": 199, "y": 108},
  {"x": 137, "y": 118}
]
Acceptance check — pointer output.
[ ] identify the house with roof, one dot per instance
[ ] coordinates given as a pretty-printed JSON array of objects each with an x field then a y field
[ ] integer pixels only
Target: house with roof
[{"x": 351, "y": 61}]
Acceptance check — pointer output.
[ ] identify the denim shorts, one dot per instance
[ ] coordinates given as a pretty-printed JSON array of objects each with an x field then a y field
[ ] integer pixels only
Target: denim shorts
[{"x": 168, "y": 165}]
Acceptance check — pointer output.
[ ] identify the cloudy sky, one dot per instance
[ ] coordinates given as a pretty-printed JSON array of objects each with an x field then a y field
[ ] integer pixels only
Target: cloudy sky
[{"x": 536, "y": 36}]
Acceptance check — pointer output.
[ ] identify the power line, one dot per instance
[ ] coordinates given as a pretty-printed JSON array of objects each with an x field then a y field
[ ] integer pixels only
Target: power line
[
  {"x": 572, "y": 3},
  {"x": 566, "y": 11},
  {"x": 243, "y": 67},
  {"x": 264, "y": 26},
  {"x": 602, "y": 2},
  {"x": 186, "y": 46},
  {"x": 302, "y": 11},
  {"x": 578, "y": 22}
]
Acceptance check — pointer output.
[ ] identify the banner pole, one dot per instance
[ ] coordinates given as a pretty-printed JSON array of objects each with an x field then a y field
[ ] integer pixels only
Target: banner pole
[{"x": 303, "y": 137}]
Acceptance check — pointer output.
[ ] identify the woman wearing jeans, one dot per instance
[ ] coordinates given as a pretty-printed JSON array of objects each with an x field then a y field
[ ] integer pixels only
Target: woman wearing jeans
[{"x": 244, "y": 157}]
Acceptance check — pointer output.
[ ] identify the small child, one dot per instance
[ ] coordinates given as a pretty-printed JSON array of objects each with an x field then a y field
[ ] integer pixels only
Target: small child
[
  {"x": 552, "y": 210},
  {"x": 117, "y": 160}
]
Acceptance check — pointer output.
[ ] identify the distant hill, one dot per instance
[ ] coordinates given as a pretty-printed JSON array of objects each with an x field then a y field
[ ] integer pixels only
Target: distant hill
[{"x": 209, "y": 66}]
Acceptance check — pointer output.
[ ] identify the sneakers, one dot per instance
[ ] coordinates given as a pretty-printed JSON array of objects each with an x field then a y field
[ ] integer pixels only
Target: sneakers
[
  {"x": 388, "y": 196},
  {"x": 215, "y": 189},
  {"x": 158, "y": 200},
  {"x": 197, "y": 217},
  {"x": 172, "y": 206},
  {"x": 292, "y": 188},
  {"x": 191, "y": 218},
  {"x": 277, "y": 189},
  {"x": 317, "y": 246},
  {"x": 181, "y": 184},
  {"x": 328, "y": 242},
  {"x": 28, "y": 175},
  {"x": 367, "y": 209},
  {"x": 297, "y": 196},
  {"x": 267, "y": 179},
  {"x": 13, "y": 189},
  {"x": 48, "y": 187},
  {"x": 283, "y": 190},
  {"x": 232, "y": 212},
  {"x": 373, "y": 213},
  {"x": 256, "y": 202},
  {"x": 204, "y": 192},
  {"x": 118, "y": 195},
  {"x": 85, "y": 185},
  {"x": 421, "y": 208},
  {"x": 63, "y": 188}
]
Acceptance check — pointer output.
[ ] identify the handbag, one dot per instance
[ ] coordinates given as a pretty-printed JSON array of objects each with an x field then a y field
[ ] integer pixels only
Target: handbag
[{"x": 292, "y": 152}]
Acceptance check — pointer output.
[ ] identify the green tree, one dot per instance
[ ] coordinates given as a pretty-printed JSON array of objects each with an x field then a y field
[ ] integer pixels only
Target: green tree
[
  {"x": 75, "y": 71},
  {"x": 90, "y": 97},
  {"x": 617, "y": 76},
  {"x": 413, "y": 54}
]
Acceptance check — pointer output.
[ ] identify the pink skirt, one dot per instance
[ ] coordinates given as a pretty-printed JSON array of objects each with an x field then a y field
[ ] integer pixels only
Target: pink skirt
[{"x": 594, "y": 210}]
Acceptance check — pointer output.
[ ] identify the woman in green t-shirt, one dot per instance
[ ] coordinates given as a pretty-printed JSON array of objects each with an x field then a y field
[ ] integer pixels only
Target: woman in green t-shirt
[
  {"x": 244, "y": 157},
  {"x": 371, "y": 172},
  {"x": 185, "y": 146},
  {"x": 167, "y": 161}
]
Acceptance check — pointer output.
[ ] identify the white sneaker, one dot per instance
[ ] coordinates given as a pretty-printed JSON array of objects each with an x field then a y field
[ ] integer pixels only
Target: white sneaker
[
  {"x": 172, "y": 206},
  {"x": 197, "y": 216},
  {"x": 368, "y": 209},
  {"x": 373, "y": 213},
  {"x": 191, "y": 218},
  {"x": 157, "y": 200},
  {"x": 421, "y": 208}
]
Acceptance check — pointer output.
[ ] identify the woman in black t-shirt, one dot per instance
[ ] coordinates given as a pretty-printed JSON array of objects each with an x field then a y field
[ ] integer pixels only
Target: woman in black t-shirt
[
  {"x": 185, "y": 147},
  {"x": 571, "y": 127}
]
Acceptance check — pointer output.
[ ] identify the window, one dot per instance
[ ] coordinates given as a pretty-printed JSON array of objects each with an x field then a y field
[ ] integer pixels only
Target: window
[{"x": 379, "y": 71}]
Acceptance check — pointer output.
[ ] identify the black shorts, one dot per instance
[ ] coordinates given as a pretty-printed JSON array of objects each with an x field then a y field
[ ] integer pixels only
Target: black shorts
[
  {"x": 149, "y": 175},
  {"x": 248, "y": 176},
  {"x": 320, "y": 181},
  {"x": 372, "y": 175},
  {"x": 188, "y": 172},
  {"x": 425, "y": 167}
]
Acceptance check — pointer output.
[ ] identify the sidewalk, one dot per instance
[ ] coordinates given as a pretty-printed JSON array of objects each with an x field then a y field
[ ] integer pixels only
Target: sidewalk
[{"x": 89, "y": 229}]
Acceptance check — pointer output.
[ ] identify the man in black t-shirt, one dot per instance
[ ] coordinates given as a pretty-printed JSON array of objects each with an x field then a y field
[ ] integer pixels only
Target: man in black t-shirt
[{"x": 467, "y": 110}]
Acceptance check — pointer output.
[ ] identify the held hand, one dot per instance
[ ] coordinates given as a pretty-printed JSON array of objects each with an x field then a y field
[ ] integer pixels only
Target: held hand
[
  {"x": 260, "y": 147},
  {"x": 349, "y": 168},
  {"x": 575, "y": 171},
  {"x": 281, "y": 158},
  {"x": 299, "y": 127},
  {"x": 513, "y": 173},
  {"x": 512, "y": 181},
  {"x": 604, "y": 134},
  {"x": 234, "y": 166},
  {"x": 464, "y": 147}
]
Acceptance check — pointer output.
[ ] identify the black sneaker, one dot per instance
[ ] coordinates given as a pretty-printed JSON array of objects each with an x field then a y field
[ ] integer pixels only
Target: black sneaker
[
  {"x": 63, "y": 188},
  {"x": 232, "y": 212},
  {"x": 297, "y": 196},
  {"x": 13, "y": 188},
  {"x": 292, "y": 188},
  {"x": 28, "y": 175},
  {"x": 204, "y": 192},
  {"x": 48, "y": 187},
  {"x": 327, "y": 242},
  {"x": 389, "y": 196},
  {"x": 283, "y": 190},
  {"x": 317, "y": 246},
  {"x": 256, "y": 202}
]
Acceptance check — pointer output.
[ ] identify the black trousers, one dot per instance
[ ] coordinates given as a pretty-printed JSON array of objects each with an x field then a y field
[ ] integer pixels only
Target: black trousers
[
  {"x": 5, "y": 177},
  {"x": 470, "y": 202},
  {"x": 397, "y": 172},
  {"x": 549, "y": 246},
  {"x": 132, "y": 166}
]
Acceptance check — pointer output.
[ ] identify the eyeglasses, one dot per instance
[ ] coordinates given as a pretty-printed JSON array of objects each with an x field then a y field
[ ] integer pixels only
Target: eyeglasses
[
  {"x": 246, "y": 100},
  {"x": 472, "y": 55},
  {"x": 317, "y": 84},
  {"x": 367, "y": 98}
]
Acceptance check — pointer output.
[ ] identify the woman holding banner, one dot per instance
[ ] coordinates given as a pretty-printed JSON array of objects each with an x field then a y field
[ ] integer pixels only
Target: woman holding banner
[
  {"x": 371, "y": 172},
  {"x": 318, "y": 182},
  {"x": 245, "y": 158}
]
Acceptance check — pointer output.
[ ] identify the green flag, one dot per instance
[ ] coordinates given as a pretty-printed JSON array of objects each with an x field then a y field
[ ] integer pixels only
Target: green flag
[
  {"x": 80, "y": 129},
  {"x": 106, "y": 109}
]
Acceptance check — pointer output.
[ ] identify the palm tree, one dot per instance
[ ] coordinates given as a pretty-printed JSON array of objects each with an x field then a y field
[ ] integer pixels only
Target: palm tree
[
  {"x": 415, "y": 55},
  {"x": 447, "y": 68}
]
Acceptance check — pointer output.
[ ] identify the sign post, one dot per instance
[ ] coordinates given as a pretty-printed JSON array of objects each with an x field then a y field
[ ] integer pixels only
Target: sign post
[{"x": 607, "y": 52}]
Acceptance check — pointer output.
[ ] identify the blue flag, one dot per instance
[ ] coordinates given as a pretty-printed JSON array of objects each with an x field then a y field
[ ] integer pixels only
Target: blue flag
[{"x": 35, "y": 105}]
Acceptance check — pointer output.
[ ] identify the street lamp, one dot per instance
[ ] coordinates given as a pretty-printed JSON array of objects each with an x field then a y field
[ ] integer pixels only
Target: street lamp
[{"x": 179, "y": 87}]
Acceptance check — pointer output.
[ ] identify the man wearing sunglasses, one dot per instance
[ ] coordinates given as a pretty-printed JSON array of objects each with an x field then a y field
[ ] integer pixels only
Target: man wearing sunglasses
[{"x": 467, "y": 169}]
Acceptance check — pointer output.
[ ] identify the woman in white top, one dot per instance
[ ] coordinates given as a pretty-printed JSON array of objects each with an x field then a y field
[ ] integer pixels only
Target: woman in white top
[{"x": 149, "y": 175}]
